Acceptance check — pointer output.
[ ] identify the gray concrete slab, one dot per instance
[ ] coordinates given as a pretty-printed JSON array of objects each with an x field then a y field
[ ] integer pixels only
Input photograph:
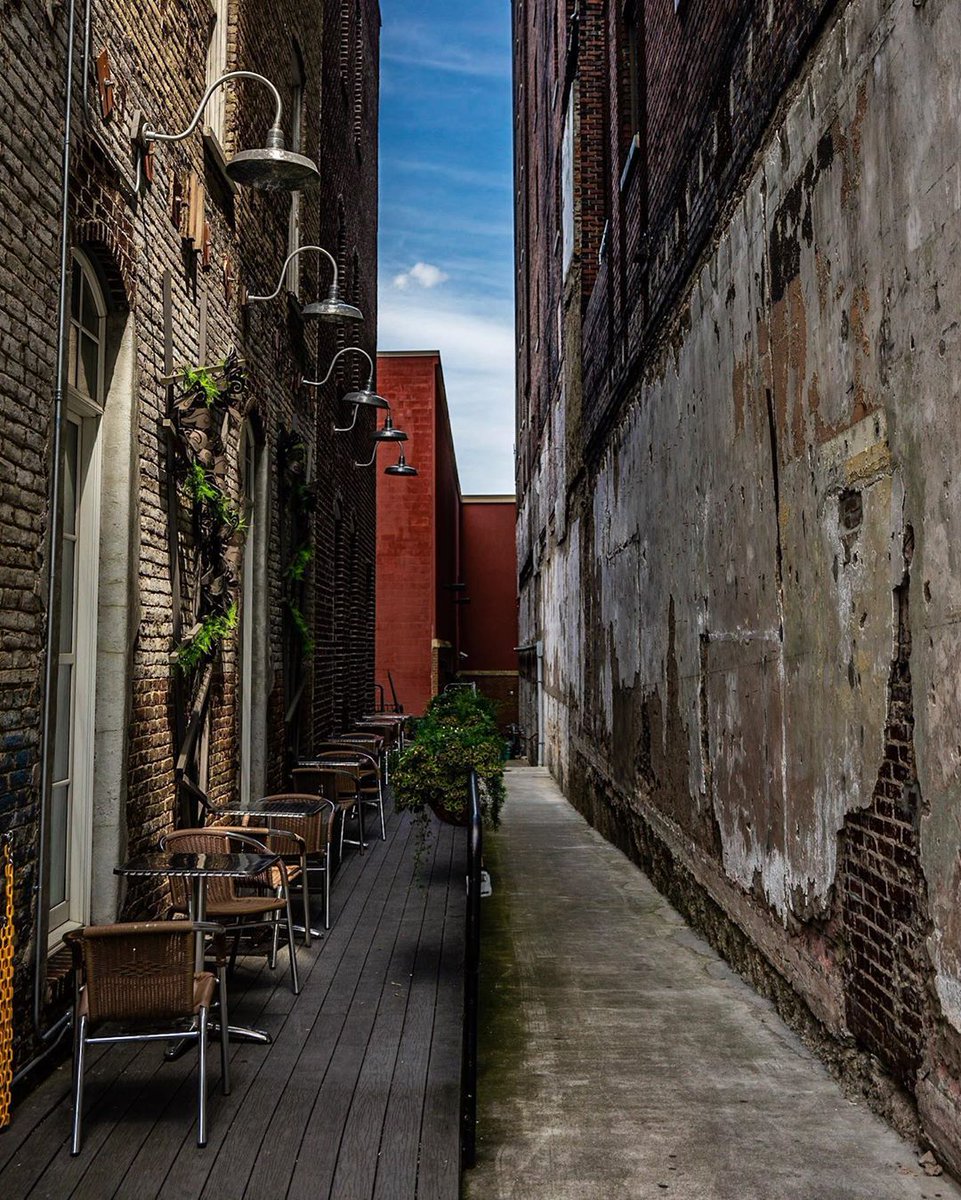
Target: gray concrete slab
[{"x": 621, "y": 1058}]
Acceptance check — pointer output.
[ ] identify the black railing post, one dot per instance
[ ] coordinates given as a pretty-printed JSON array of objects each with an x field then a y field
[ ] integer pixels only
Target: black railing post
[{"x": 471, "y": 980}]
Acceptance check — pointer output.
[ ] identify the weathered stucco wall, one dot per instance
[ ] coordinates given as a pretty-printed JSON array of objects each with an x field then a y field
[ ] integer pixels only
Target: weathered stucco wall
[{"x": 770, "y": 545}]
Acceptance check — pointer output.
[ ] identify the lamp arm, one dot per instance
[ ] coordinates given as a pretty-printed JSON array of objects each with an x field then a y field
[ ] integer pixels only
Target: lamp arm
[
  {"x": 333, "y": 363},
  {"x": 152, "y": 135},
  {"x": 290, "y": 258},
  {"x": 353, "y": 422},
  {"x": 370, "y": 461}
]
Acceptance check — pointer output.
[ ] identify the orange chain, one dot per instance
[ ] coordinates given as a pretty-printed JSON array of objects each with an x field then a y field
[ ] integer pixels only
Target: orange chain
[{"x": 6, "y": 984}]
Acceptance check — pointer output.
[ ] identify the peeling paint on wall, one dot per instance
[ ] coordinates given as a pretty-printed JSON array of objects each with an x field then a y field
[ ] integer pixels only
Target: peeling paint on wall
[{"x": 720, "y": 610}]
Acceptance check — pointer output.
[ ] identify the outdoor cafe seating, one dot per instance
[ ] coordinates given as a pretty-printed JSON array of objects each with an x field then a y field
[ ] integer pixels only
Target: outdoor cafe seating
[
  {"x": 153, "y": 979},
  {"x": 142, "y": 977},
  {"x": 366, "y": 766},
  {"x": 266, "y": 903}
]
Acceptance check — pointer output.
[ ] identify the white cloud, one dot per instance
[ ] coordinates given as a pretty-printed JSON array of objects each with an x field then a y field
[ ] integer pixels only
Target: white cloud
[
  {"x": 426, "y": 275},
  {"x": 477, "y": 352}
]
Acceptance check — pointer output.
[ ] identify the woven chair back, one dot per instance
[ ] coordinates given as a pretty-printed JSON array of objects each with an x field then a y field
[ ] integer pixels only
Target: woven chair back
[
  {"x": 317, "y": 831},
  {"x": 139, "y": 972},
  {"x": 201, "y": 841},
  {"x": 338, "y": 785}
]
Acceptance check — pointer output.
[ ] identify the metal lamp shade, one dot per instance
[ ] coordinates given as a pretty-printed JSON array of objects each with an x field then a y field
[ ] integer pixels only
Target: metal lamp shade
[
  {"x": 389, "y": 433},
  {"x": 332, "y": 309},
  {"x": 401, "y": 467},
  {"x": 366, "y": 396},
  {"x": 272, "y": 168}
]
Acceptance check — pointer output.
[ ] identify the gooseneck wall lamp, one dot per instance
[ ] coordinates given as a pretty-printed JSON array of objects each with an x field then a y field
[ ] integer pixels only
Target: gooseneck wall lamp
[
  {"x": 369, "y": 398},
  {"x": 366, "y": 396},
  {"x": 331, "y": 309},
  {"x": 271, "y": 167},
  {"x": 389, "y": 434}
]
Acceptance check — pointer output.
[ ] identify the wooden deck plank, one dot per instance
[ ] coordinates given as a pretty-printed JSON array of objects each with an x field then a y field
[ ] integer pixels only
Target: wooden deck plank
[
  {"x": 334, "y": 1107},
  {"x": 293, "y": 1071},
  {"x": 400, "y": 1143},
  {"x": 438, "y": 1176},
  {"x": 357, "y": 1161},
  {"x": 346, "y": 1028},
  {"x": 186, "y": 1177}
]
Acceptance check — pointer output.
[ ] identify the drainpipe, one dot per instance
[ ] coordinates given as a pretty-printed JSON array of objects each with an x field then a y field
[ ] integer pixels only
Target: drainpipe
[
  {"x": 540, "y": 703},
  {"x": 53, "y": 538},
  {"x": 537, "y": 646}
]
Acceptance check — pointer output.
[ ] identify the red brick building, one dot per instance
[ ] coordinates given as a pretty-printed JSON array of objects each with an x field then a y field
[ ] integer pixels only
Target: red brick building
[
  {"x": 138, "y": 716},
  {"x": 733, "y": 237},
  {"x": 446, "y": 590}
]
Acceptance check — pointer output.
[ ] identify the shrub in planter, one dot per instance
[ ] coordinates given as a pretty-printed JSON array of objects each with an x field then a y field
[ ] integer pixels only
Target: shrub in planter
[{"x": 458, "y": 732}]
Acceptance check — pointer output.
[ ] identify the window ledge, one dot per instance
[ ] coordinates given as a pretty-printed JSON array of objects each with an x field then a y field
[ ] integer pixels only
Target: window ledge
[
  {"x": 217, "y": 157},
  {"x": 633, "y": 155}
]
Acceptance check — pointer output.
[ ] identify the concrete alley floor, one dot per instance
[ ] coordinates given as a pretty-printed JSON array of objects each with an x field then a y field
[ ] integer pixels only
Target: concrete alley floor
[{"x": 620, "y": 1057}]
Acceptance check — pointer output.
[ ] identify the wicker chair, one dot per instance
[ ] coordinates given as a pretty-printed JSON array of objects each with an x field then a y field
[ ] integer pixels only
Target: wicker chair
[
  {"x": 142, "y": 975},
  {"x": 339, "y": 785},
  {"x": 224, "y": 904},
  {"x": 308, "y": 846},
  {"x": 370, "y": 789}
]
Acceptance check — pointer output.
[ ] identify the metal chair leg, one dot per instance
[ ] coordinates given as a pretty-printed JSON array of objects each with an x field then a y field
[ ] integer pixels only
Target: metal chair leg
[
  {"x": 327, "y": 891},
  {"x": 79, "y": 1055},
  {"x": 275, "y": 942},
  {"x": 202, "y": 1085},
  {"x": 292, "y": 948},
  {"x": 224, "y": 1032},
  {"x": 306, "y": 890}
]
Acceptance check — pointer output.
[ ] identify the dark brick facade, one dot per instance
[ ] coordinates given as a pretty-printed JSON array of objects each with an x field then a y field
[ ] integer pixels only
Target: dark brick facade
[{"x": 157, "y": 59}]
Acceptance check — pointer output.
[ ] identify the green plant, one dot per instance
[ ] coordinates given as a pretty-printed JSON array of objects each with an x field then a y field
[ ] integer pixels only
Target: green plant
[
  {"x": 457, "y": 734},
  {"x": 297, "y": 567},
  {"x": 206, "y": 494},
  {"x": 201, "y": 379},
  {"x": 300, "y": 624},
  {"x": 212, "y": 630}
]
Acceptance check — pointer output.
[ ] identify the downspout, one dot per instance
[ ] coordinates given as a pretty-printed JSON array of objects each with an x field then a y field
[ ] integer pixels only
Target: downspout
[
  {"x": 51, "y": 635},
  {"x": 537, "y": 646},
  {"x": 540, "y": 703}
]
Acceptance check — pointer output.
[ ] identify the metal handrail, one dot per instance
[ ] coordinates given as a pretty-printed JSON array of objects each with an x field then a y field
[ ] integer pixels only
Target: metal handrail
[{"x": 471, "y": 979}]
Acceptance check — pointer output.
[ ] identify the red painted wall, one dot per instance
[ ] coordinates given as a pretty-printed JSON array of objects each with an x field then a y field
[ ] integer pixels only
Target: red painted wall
[
  {"x": 448, "y": 555},
  {"x": 489, "y": 622},
  {"x": 406, "y": 572}
]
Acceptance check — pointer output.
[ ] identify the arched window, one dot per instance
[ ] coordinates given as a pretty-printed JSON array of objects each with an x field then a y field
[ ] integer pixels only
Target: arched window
[{"x": 98, "y": 602}]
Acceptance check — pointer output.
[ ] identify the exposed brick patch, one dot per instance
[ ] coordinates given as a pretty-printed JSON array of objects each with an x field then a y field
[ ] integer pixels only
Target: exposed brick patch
[{"x": 881, "y": 888}]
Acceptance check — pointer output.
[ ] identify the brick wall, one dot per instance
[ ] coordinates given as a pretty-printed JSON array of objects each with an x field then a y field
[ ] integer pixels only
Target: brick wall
[
  {"x": 406, "y": 563},
  {"x": 743, "y": 602},
  {"x": 157, "y": 56}
]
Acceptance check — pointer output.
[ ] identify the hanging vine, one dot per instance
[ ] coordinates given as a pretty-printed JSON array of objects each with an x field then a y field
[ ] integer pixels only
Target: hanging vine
[
  {"x": 300, "y": 501},
  {"x": 211, "y": 400}
]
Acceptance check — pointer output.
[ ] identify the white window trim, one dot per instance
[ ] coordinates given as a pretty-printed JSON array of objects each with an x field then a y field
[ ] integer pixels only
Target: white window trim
[{"x": 87, "y": 412}]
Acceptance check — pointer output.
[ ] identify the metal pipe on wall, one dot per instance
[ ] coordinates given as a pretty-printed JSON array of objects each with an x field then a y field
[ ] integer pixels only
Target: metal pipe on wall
[
  {"x": 48, "y": 708},
  {"x": 537, "y": 647}
]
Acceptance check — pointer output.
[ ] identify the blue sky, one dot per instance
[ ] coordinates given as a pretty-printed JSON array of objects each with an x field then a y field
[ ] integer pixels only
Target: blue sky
[{"x": 446, "y": 221}]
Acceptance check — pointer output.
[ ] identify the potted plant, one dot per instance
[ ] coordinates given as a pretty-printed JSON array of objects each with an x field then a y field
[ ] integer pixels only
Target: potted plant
[{"x": 457, "y": 733}]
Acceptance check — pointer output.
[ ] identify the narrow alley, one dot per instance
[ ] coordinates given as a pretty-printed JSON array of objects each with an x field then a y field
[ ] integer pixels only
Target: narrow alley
[{"x": 621, "y": 1058}]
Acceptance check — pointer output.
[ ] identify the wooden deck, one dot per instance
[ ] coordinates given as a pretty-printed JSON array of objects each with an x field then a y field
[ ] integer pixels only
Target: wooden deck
[{"x": 358, "y": 1096}]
